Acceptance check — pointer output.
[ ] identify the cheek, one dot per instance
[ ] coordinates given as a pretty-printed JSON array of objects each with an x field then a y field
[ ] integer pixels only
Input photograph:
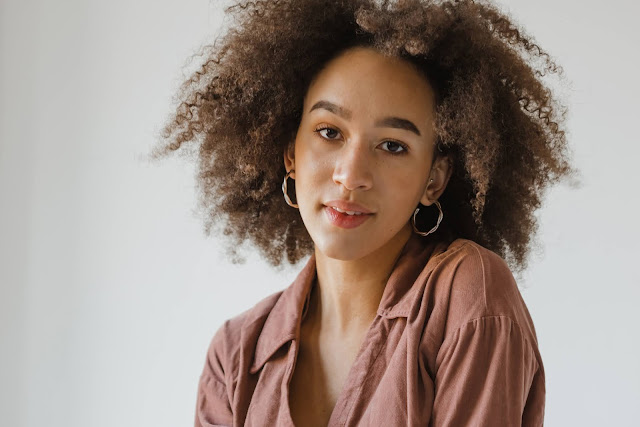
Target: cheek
[
  {"x": 313, "y": 178},
  {"x": 314, "y": 165},
  {"x": 403, "y": 193},
  {"x": 403, "y": 189}
]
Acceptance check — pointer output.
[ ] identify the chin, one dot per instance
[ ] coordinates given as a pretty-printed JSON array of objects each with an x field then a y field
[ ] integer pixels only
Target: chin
[{"x": 344, "y": 249}]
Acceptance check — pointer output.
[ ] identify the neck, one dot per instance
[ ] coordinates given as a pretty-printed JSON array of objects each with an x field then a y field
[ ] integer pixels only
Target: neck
[{"x": 347, "y": 294}]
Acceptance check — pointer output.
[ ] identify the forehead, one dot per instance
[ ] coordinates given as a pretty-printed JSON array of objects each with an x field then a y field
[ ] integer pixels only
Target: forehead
[{"x": 368, "y": 83}]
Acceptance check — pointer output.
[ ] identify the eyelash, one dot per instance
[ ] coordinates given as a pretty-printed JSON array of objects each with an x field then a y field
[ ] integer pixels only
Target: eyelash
[{"x": 405, "y": 148}]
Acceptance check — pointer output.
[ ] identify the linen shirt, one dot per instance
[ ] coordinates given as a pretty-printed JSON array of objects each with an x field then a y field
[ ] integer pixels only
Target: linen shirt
[{"x": 452, "y": 344}]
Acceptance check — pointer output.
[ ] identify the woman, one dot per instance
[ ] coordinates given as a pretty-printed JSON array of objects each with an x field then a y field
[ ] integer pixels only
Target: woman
[{"x": 412, "y": 141}]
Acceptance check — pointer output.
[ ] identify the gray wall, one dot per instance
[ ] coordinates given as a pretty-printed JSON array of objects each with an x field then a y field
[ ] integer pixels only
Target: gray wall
[{"x": 110, "y": 292}]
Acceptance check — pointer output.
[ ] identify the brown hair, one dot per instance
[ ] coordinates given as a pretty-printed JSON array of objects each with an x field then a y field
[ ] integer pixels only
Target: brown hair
[{"x": 495, "y": 117}]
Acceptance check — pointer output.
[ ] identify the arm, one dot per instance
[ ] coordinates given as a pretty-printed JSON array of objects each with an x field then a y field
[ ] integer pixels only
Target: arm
[
  {"x": 213, "y": 406},
  {"x": 484, "y": 377}
]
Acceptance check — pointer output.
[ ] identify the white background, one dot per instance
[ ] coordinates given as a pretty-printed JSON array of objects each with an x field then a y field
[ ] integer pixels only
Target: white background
[{"x": 110, "y": 291}]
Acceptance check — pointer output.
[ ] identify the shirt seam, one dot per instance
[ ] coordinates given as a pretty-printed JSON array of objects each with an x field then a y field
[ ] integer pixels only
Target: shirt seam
[
  {"x": 484, "y": 277},
  {"x": 207, "y": 378},
  {"x": 381, "y": 346},
  {"x": 444, "y": 255},
  {"x": 457, "y": 332}
]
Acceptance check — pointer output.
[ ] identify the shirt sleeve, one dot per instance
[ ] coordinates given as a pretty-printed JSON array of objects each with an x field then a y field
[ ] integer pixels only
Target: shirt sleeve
[
  {"x": 213, "y": 406},
  {"x": 484, "y": 373}
]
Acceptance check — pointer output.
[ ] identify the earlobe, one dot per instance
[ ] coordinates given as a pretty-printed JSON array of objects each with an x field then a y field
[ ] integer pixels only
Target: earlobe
[
  {"x": 427, "y": 199},
  {"x": 438, "y": 181},
  {"x": 289, "y": 160}
]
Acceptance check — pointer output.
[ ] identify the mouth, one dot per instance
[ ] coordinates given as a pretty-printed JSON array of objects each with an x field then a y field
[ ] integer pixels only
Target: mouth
[{"x": 348, "y": 219}]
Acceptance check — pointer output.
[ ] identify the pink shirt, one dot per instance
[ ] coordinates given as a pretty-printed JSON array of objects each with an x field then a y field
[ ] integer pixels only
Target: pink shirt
[{"x": 453, "y": 344}]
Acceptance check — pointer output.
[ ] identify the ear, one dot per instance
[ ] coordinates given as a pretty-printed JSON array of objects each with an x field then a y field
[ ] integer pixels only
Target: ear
[
  {"x": 441, "y": 172},
  {"x": 289, "y": 160}
]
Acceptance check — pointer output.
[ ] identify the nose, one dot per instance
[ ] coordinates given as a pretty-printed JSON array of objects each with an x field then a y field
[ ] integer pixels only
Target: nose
[{"x": 353, "y": 166}]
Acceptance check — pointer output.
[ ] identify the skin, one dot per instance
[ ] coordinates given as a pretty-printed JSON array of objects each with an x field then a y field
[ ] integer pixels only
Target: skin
[{"x": 354, "y": 160}]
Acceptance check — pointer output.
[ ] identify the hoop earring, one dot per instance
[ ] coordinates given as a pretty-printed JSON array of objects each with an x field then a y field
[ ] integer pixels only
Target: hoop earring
[
  {"x": 422, "y": 233},
  {"x": 284, "y": 190}
]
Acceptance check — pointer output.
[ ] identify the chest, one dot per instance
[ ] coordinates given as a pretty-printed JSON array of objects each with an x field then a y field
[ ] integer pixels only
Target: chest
[
  {"x": 318, "y": 378},
  {"x": 386, "y": 382}
]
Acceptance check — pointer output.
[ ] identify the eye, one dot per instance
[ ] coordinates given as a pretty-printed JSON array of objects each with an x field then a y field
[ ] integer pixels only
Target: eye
[
  {"x": 331, "y": 132},
  {"x": 396, "y": 144}
]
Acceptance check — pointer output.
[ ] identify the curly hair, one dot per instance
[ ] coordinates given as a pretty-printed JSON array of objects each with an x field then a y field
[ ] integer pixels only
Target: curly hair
[{"x": 501, "y": 125}]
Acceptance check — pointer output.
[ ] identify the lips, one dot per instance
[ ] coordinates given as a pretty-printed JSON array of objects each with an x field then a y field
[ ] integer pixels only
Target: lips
[
  {"x": 344, "y": 220},
  {"x": 346, "y": 205}
]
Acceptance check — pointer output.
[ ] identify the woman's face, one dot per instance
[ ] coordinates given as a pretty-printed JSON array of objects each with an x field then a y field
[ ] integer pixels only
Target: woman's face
[{"x": 365, "y": 137}]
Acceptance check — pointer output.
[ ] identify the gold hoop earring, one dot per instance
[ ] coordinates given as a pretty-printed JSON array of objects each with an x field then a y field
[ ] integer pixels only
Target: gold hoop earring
[
  {"x": 284, "y": 190},
  {"x": 422, "y": 233}
]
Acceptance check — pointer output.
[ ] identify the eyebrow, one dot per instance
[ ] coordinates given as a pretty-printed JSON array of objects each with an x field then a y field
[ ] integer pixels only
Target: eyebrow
[{"x": 393, "y": 122}]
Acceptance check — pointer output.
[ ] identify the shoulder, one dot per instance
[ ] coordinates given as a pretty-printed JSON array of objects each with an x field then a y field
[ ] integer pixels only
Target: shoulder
[
  {"x": 221, "y": 371},
  {"x": 472, "y": 283},
  {"x": 234, "y": 337}
]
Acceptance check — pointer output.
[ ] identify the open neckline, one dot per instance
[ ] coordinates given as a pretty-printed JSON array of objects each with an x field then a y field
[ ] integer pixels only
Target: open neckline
[{"x": 355, "y": 377}]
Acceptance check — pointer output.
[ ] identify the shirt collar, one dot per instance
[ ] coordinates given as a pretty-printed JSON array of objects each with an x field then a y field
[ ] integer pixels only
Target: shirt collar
[{"x": 283, "y": 321}]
